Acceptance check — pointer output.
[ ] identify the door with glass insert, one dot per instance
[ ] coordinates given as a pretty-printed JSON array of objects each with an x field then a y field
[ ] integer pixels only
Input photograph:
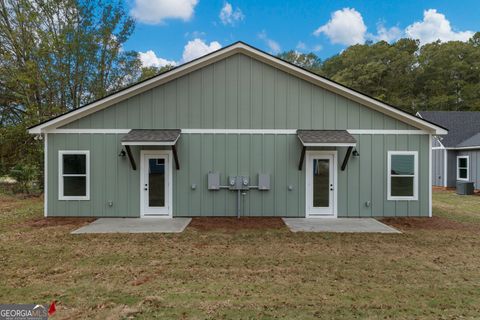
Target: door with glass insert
[
  {"x": 155, "y": 185},
  {"x": 320, "y": 185}
]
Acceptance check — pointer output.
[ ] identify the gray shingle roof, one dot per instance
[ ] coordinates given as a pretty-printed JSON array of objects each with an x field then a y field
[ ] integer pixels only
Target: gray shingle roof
[
  {"x": 152, "y": 135},
  {"x": 325, "y": 136},
  {"x": 473, "y": 141},
  {"x": 463, "y": 127}
]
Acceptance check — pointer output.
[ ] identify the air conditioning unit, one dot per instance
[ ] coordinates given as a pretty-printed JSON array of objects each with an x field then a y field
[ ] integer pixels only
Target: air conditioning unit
[{"x": 464, "y": 188}]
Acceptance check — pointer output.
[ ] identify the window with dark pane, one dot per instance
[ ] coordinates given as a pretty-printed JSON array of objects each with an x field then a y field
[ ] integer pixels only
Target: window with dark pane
[
  {"x": 74, "y": 164},
  {"x": 74, "y": 186},
  {"x": 74, "y": 175},
  {"x": 321, "y": 172},
  {"x": 462, "y": 168},
  {"x": 402, "y": 175}
]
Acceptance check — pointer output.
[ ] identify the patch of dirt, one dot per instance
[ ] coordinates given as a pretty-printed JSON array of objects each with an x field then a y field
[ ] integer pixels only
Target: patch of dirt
[
  {"x": 140, "y": 281},
  {"x": 434, "y": 223},
  {"x": 56, "y": 221},
  {"x": 233, "y": 224}
]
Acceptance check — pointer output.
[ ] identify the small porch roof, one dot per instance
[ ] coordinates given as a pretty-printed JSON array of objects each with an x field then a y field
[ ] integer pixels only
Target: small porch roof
[
  {"x": 151, "y": 137},
  {"x": 326, "y": 138}
]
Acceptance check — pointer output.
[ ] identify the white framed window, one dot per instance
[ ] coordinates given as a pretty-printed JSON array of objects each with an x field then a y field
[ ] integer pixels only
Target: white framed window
[
  {"x": 463, "y": 163},
  {"x": 402, "y": 183},
  {"x": 74, "y": 175}
]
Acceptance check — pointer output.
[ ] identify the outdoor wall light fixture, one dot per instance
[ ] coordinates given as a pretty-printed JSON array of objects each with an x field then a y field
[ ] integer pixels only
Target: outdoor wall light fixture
[
  {"x": 122, "y": 153},
  {"x": 355, "y": 153}
]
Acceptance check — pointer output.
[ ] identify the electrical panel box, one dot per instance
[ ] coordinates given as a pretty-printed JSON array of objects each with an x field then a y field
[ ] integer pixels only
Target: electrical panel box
[
  {"x": 243, "y": 183},
  {"x": 213, "y": 181},
  {"x": 263, "y": 181},
  {"x": 238, "y": 182},
  {"x": 232, "y": 182}
]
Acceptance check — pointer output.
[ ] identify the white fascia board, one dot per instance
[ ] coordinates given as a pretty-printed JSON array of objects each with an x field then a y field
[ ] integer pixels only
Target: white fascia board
[
  {"x": 87, "y": 131},
  {"x": 239, "y": 131},
  {"x": 344, "y": 91},
  {"x": 256, "y": 54},
  {"x": 464, "y": 148},
  {"x": 134, "y": 90},
  {"x": 385, "y": 131}
]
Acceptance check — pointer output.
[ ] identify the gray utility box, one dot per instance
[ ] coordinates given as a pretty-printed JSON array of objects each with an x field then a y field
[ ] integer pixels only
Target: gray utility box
[
  {"x": 464, "y": 188},
  {"x": 238, "y": 183},
  {"x": 213, "y": 181},
  {"x": 263, "y": 181}
]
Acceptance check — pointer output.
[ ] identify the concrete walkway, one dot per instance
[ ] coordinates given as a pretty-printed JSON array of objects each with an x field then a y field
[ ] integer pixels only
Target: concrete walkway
[
  {"x": 342, "y": 225},
  {"x": 135, "y": 225}
]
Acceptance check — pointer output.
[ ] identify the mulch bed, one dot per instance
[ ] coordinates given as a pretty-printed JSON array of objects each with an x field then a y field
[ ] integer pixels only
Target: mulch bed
[
  {"x": 233, "y": 224},
  {"x": 434, "y": 223},
  {"x": 57, "y": 221}
]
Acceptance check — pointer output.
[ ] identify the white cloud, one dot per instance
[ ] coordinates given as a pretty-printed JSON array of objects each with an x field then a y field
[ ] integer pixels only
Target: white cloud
[
  {"x": 433, "y": 27},
  {"x": 345, "y": 27},
  {"x": 156, "y": 11},
  {"x": 229, "y": 16},
  {"x": 273, "y": 46},
  {"x": 150, "y": 59},
  {"x": 387, "y": 34},
  {"x": 197, "y": 48}
]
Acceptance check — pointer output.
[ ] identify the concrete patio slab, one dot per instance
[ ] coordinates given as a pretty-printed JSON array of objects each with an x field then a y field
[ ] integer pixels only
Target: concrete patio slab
[
  {"x": 135, "y": 225},
  {"x": 341, "y": 225}
]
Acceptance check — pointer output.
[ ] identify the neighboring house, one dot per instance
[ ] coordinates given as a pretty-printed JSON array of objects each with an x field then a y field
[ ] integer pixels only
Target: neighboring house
[
  {"x": 298, "y": 144},
  {"x": 456, "y": 156}
]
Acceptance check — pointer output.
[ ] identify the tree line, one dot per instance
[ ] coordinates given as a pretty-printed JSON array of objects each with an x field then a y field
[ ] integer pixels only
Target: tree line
[
  {"x": 57, "y": 55},
  {"x": 435, "y": 76}
]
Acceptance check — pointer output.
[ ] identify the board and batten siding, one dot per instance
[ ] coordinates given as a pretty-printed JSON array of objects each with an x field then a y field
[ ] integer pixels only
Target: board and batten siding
[
  {"x": 238, "y": 92},
  {"x": 112, "y": 179},
  {"x": 438, "y": 167},
  {"x": 474, "y": 165}
]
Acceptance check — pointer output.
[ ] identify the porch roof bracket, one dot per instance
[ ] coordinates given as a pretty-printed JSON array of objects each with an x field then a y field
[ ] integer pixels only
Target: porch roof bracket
[
  {"x": 347, "y": 156},
  {"x": 130, "y": 157},
  {"x": 302, "y": 157},
  {"x": 175, "y": 157}
]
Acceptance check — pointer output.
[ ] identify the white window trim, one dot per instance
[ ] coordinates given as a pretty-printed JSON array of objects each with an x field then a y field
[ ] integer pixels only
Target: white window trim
[
  {"x": 309, "y": 155},
  {"x": 168, "y": 212},
  {"x": 389, "y": 175},
  {"x": 61, "y": 175},
  {"x": 467, "y": 167}
]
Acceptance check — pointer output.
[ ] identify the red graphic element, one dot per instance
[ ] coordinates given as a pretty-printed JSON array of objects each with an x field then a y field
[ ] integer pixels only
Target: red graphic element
[{"x": 52, "y": 309}]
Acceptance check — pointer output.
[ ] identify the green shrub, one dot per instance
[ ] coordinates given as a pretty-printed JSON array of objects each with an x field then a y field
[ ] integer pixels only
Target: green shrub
[{"x": 26, "y": 176}]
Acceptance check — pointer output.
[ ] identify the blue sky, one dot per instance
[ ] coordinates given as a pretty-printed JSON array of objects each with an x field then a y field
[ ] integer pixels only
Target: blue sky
[{"x": 175, "y": 31}]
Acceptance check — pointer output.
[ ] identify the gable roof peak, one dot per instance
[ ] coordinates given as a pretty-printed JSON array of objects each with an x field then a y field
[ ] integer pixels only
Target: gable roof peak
[{"x": 224, "y": 53}]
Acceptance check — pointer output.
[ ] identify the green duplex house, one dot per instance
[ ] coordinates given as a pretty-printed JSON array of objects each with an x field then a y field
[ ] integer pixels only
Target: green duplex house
[{"x": 237, "y": 132}]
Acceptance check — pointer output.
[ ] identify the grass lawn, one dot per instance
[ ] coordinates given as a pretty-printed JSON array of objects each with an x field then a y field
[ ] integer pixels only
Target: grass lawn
[{"x": 431, "y": 271}]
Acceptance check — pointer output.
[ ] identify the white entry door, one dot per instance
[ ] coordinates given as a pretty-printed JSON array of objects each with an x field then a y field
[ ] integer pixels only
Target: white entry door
[
  {"x": 321, "y": 183},
  {"x": 155, "y": 183}
]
